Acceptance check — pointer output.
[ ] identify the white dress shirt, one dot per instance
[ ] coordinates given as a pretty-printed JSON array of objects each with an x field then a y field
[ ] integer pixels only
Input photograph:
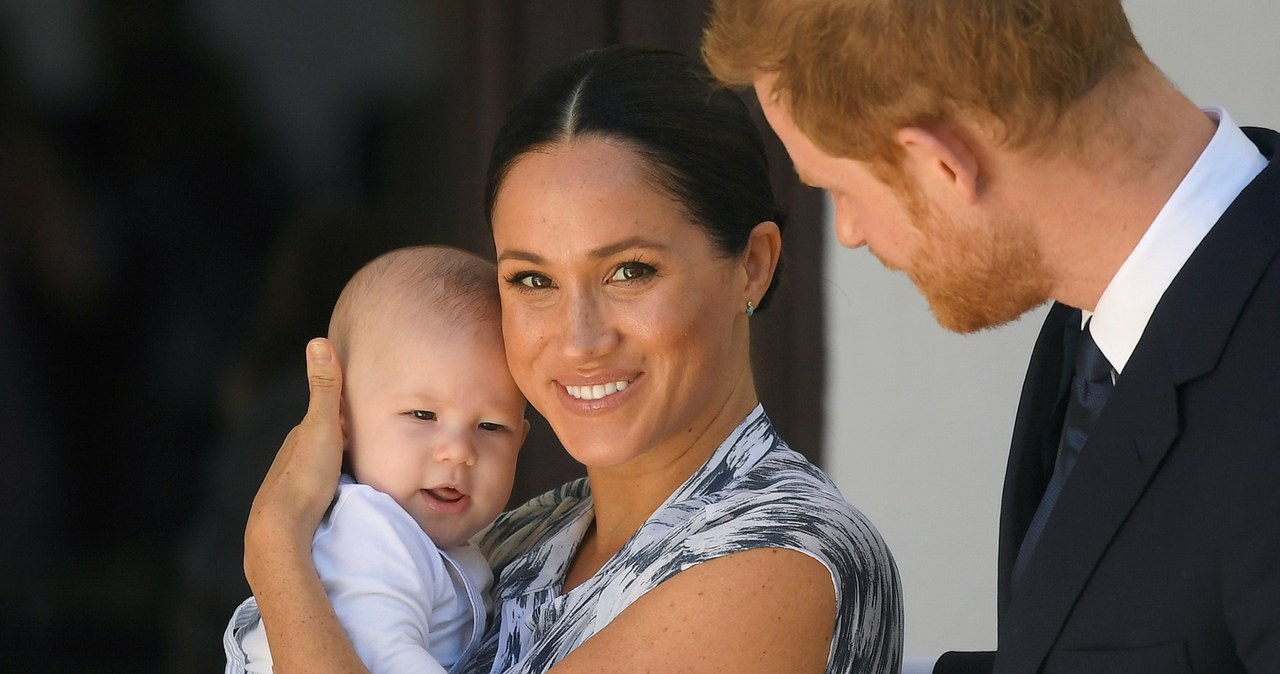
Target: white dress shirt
[{"x": 1228, "y": 164}]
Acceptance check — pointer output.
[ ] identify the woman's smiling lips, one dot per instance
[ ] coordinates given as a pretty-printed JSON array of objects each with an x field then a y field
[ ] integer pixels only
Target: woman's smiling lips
[
  {"x": 597, "y": 391},
  {"x": 599, "y": 394}
]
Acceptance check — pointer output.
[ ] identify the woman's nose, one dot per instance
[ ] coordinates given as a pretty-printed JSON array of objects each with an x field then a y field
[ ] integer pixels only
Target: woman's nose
[{"x": 587, "y": 331}]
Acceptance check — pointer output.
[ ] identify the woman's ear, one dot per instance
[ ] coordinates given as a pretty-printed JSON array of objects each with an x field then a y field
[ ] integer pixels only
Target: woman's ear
[
  {"x": 760, "y": 260},
  {"x": 942, "y": 162}
]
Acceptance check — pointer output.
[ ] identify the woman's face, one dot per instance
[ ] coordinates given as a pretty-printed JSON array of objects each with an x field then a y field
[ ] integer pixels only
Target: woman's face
[{"x": 624, "y": 325}]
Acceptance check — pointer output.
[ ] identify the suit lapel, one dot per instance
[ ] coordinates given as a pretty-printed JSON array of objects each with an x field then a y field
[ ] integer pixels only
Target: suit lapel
[
  {"x": 1124, "y": 450},
  {"x": 1138, "y": 426},
  {"x": 1027, "y": 471}
]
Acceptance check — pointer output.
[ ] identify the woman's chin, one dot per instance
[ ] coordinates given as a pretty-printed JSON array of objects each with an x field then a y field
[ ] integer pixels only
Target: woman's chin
[{"x": 598, "y": 450}]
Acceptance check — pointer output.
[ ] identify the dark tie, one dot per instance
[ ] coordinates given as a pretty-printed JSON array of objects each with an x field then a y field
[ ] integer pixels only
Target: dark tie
[{"x": 1090, "y": 386}]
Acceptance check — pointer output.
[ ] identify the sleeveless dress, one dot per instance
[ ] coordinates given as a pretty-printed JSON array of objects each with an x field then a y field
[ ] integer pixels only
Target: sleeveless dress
[{"x": 754, "y": 492}]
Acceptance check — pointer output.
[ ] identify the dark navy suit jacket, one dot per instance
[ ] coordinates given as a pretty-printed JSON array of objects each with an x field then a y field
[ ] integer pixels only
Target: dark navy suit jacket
[{"x": 1163, "y": 553}]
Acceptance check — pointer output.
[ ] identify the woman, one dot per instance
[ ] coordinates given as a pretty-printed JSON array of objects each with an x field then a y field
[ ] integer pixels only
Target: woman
[{"x": 636, "y": 236}]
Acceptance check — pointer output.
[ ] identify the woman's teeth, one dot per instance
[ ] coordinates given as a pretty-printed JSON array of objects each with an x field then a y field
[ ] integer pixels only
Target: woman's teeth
[{"x": 596, "y": 392}]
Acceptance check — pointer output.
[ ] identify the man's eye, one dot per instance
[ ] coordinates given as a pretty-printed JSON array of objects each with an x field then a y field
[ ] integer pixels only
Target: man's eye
[
  {"x": 632, "y": 271},
  {"x": 490, "y": 426},
  {"x": 424, "y": 415}
]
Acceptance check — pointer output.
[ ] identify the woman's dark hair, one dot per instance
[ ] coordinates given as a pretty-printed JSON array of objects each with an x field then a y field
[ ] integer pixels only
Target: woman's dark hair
[{"x": 698, "y": 137}]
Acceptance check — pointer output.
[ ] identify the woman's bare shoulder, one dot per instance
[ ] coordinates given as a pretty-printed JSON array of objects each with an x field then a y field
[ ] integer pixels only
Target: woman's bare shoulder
[{"x": 761, "y": 610}]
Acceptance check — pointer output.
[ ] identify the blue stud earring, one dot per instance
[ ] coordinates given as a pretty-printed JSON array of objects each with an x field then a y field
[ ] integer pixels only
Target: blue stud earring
[{"x": 751, "y": 309}]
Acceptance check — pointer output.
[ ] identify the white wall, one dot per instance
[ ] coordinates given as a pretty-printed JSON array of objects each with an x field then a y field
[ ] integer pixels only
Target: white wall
[{"x": 918, "y": 419}]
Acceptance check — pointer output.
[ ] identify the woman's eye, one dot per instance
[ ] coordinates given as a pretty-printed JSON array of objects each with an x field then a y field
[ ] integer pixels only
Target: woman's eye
[
  {"x": 424, "y": 415},
  {"x": 531, "y": 280},
  {"x": 490, "y": 426},
  {"x": 632, "y": 271}
]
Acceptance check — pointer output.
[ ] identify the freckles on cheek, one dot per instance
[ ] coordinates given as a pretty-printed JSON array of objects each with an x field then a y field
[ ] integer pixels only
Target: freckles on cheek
[{"x": 525, "y": 350}]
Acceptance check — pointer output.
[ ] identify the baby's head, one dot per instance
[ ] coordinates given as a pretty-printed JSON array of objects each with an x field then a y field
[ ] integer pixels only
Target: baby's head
[{"x": 430, "y": 413}]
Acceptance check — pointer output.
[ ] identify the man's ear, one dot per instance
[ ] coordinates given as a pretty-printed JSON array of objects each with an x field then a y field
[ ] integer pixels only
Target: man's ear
[
  {"x": 760, "y": 260},
  {"x": 941, "y": 162}
]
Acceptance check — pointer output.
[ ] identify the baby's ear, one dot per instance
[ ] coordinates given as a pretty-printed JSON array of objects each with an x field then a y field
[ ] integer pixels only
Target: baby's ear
[
  {"x": 344, "y": 425},
  {"x": 344, "y": 416},
  {"x": 524, "y": 433}
]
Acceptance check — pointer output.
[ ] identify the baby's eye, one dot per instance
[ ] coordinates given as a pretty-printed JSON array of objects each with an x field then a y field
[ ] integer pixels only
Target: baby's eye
[
  {"x": 424, "y": 415},
  {"x": 491, "y": 427},
  {"x": 632, "y": 271}
]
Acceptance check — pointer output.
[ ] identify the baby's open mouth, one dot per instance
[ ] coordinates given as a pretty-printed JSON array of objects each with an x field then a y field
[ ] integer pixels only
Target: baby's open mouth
[{"x": 446, "y": 494}]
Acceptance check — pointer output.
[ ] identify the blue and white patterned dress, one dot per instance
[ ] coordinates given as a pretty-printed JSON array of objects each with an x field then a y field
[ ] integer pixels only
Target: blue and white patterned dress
[{"x": 754, "y": 492}]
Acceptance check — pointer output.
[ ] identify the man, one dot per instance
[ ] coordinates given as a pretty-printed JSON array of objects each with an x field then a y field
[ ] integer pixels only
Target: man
[{"x": 1004, "y": 154}]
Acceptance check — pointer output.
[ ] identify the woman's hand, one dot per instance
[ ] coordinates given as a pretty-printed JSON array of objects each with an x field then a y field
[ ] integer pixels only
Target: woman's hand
[
  {"x": 304, "y": 475},
  {"x": 304, "y": 633}
]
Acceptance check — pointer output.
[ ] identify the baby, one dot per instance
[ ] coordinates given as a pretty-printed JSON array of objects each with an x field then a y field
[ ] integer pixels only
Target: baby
[{"x": 433, "y": 423}]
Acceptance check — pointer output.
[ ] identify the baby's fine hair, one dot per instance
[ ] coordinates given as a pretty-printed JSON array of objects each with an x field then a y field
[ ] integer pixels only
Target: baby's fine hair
[{"x": 413, "y": 289}]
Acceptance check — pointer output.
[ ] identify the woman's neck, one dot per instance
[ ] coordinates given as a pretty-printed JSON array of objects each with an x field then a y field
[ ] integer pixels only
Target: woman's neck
[{"x": 625, "y": 496}]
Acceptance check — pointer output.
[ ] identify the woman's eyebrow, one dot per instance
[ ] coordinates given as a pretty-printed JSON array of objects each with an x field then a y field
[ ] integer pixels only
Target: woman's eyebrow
[
  {"x": 520, "y": 255},
  {"x": 601, "y": 252},
  {"x": 628, "y": 244}
]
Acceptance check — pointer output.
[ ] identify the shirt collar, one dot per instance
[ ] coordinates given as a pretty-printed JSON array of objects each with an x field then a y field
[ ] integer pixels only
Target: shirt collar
[{"x": 1229, "y": 163}]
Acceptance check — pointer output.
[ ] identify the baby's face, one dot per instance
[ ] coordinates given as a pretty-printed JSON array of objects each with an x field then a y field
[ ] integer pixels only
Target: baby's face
[{"x": 435, "y": 421}]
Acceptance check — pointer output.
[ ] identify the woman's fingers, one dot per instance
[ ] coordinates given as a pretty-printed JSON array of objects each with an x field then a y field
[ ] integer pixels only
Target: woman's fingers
[
  {"x": 304, "y": 475},
  {"x": 305, "y": 634},
  {"x": 325, "y": 378},
  {"x": 315, "y": 446}
]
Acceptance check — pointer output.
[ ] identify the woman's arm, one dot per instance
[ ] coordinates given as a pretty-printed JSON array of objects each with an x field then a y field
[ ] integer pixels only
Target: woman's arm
[
  {"x": 304, "y": 633},
  {"x": 764, "y": 610}
]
